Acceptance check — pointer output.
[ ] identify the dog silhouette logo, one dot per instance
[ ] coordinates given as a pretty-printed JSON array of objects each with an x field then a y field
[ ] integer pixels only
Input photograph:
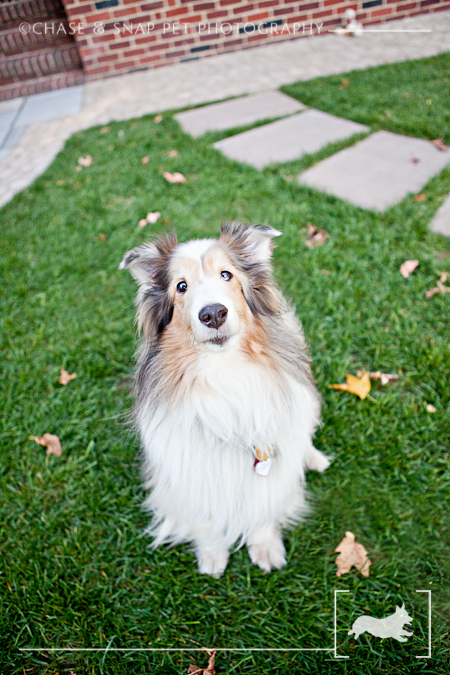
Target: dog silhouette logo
[{"x": 389, "y": 627}]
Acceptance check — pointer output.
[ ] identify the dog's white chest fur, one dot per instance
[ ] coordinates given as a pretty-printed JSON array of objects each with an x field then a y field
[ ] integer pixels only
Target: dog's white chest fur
[{"x": 200, "y": 455}]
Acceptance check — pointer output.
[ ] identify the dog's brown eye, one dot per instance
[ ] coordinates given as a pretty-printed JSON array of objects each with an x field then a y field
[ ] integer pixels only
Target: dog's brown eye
[
  {"x": 226, "y": 275},
  {"x": 181, "y": 287}
]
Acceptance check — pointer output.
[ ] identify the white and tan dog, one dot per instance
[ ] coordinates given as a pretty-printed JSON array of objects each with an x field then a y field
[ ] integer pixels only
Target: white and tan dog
[{"x": 225, "y": 401}]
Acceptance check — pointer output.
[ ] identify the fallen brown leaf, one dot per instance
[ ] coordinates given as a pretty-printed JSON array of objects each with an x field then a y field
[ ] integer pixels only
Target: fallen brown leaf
[
  {"x": 173, "y": 153},
  {"x": 145, "y": 160},
  {"x": 439, "y": 288},
  {"x": 351, "y": 554},
  {"x": 65, "y": 378},
  {"x": 158, "y": 119},
  {"x": 85, "y": 161},
  {"x": 174, "y": 177},
  {"x": 104, "y": 130},
  {"x": 344, "y": 84},
  {"x": 153, "y": 217},
  {"x": 388, "y": 113},
  {"x": 209, "y": 670},
  {"x": 431, "y": 408},
  {"x": 384, "y": 377},
  {"x": 408, "y": 267},
  {"x": 419, "y": 198},
  {"x": 102, "y": 236},
  {"x": 354, "y": 385},
  {"x": 59, "y": 182},
  {"x": 315, "y": 237},
  {"x": 150, "y": 218},
  {"x": 49, "y": 441},
  {"x": 431, "y": 292},
  {"x": 440, "y": 145}
]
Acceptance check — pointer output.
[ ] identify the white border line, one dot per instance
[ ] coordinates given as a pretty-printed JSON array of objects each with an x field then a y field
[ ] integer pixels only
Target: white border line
[
  {"x": 429, "y": 625},
  {"x": 335, "y": 626},
  {"x": 176, "y": 649},
  {"x": 385, "y": 30}
]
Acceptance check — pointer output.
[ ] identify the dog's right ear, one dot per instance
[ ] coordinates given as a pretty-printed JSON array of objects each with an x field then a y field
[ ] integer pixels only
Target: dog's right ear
[{"x": 139, "y": 261}]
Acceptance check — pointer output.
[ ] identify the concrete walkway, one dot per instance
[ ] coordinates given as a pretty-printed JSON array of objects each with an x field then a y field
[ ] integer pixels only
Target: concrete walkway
[{"x": 215, "y": 78}]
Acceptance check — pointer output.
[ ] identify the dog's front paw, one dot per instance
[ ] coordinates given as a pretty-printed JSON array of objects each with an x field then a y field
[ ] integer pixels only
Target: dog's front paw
[
  {"x": 212, "y": 561},
  {"x": 317, "y": 461},
  {"x": 268, "y": 554}
]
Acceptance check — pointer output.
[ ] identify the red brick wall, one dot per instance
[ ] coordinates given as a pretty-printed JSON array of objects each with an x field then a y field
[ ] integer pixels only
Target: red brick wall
[{"x": 117, "y": 36}]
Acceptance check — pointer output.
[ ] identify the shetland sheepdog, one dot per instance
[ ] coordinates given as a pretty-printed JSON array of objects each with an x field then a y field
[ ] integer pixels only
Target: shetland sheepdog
[{"x": 225, "y": 401}]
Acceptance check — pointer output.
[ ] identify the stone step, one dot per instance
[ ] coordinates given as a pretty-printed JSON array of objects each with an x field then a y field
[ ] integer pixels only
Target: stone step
[
  {"x": 12, "y": 13},
  {"x": 288, "y": 139},
  {"x": 40, "y": 62},
  {"x": 38, "y": 85},
  {"x": 237, "y": 112},
  {"x": 52, "y": 32},
  {"x": 379, "y": 171}
]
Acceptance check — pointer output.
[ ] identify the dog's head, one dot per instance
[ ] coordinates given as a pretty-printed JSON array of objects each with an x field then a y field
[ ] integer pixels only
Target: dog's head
[
  {"x": 209, "y": 288},
  {"x": 401, "y": 613}
]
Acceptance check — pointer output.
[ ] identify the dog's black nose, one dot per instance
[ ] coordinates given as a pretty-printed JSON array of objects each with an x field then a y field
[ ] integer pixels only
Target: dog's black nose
[{"x": 213, "y": 316}]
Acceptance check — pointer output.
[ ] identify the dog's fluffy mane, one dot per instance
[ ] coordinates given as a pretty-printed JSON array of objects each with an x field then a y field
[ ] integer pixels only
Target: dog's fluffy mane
[{"x": 275, "y": 328}]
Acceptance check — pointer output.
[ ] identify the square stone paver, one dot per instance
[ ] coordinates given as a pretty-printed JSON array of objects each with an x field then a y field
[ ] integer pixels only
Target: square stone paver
[
  {"x": 288, "y": 139},
  {"x": 238, "y": 112},
  {"x": 51, "y": 105},
  {"x": 379, "y": 171},
  {"x": 441, "y": 221}
]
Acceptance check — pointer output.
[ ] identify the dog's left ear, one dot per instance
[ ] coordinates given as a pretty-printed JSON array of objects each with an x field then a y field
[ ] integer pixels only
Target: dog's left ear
[{"x": 254, "y": 243}]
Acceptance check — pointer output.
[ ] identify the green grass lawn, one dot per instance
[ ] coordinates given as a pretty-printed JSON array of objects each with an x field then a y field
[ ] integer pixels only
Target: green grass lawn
[{"x": 75, "y": 569}]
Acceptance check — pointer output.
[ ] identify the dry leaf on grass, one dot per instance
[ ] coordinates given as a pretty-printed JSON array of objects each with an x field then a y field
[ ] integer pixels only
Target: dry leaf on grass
[
  {"x": 355, "y": 385},
  {"x": 351, "y": 554},
  {"x": 408, "y": 267},
  {"x": 384, "y": 377},
  {"x": 102, "y": 236},
  {"x": 315, "y": 237},
  {"x": 49, "y": 441},
  {"x": 420, "y": 198},
  {"x": 209, "y": 670},
  {"x": 174, "y": 177},
  {"x": 173, "y": 153},
  {"x": 440, "y": 145},
  {"x": 85, "y": 161},
  {"x": 104, "y": 130},
  {"x": 150, "y": 218},
  {"x": 145, "y": 160},
  {"x": 431, "y": 408},
  {"x": 440, "y": 288},
  {"x": 153, "y": 217},
  {"x": 65, "y": 378},
  {"x": 158, "y": 119},
  {"x": 344, "y": 84}
]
